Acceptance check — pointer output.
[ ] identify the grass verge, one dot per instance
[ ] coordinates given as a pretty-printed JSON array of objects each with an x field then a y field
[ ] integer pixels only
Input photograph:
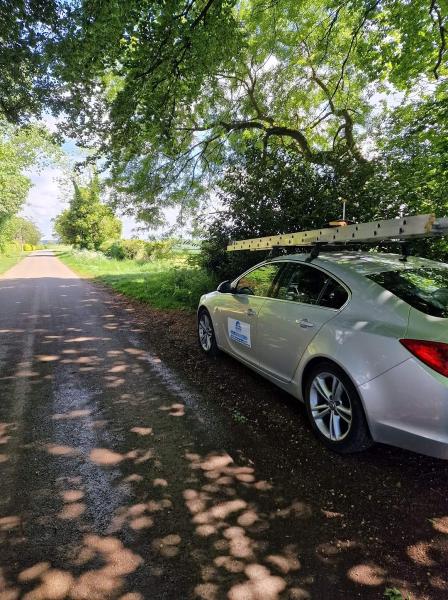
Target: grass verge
[
  {"x": 164, "y": 283},
  {"x": 8, "y": 260}
]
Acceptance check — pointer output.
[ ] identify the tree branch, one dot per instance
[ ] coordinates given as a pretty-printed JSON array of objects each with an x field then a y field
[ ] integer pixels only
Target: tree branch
[
  {"x": 251, "y": 92},
  {"x": 327, "y": 34},
  {"x": 202, "y": 14},
  {"x": 345, "y": 115},
  {"x": 434, "y": 9},
  {"x": 324, "y": 88},
  {"x": 353, "y": 41},
  {"x": 182, "y": 47}
]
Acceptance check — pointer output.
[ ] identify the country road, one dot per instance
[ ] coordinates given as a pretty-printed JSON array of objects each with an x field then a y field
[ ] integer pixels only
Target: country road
[{"x": 119, "y": 481}]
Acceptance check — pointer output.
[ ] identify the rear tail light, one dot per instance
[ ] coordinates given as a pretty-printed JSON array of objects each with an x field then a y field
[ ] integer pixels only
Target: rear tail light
[{"x": 433, "y": 354}]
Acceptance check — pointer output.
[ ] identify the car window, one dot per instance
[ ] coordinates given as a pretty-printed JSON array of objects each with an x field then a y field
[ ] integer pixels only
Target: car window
[
  {"x": 259, "y": 281},
  {"x": 334, "y": 295},
  {"x": 300, "y": 283},
  {"x": 425, "y": 289},
  {"x": 306, "y": 284}
]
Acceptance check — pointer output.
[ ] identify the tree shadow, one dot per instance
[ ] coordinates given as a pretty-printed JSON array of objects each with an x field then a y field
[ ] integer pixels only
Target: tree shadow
[{"x": 121, "y": 482}]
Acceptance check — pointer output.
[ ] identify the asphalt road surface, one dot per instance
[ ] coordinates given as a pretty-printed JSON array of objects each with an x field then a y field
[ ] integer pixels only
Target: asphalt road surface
[{"x": 119, "y": 482}]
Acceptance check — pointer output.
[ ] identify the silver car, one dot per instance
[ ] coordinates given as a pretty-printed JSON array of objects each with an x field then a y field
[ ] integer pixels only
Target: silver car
[{"x": 360, "y": 338}]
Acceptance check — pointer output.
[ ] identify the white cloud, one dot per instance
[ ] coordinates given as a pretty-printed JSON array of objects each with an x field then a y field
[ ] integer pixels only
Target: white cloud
[{"x": 45, "y": 199}]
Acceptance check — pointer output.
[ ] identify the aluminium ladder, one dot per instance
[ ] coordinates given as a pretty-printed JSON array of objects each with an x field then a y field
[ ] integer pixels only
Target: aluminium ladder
[{"x": 404, "y": 228}]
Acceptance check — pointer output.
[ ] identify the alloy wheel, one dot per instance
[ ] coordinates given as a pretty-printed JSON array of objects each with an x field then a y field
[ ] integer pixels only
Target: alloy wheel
[
  {"x": 331, "y": 408},
  {"x": 205, "y": 332}
]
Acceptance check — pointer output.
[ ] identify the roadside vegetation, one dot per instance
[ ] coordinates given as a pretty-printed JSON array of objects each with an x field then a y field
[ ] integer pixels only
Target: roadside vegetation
[
  {"x": 160, "y": 272},
  {"x": 168, "y": 282},
  {"x": 9, "y": 259},
  {"x": 21, "y": 149},
  {"x": 17, "y": 236}
]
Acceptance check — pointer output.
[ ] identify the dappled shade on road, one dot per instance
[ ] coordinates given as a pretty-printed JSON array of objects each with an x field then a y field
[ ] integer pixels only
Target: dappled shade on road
[{"x": 118, "y": 482}]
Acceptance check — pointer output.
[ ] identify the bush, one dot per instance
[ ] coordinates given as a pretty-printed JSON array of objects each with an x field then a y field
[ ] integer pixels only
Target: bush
[
  {"x": 159, "y": 249},
  {"x": 126, "y": 249},
  {"x": 114, "y": 250},
  {"x": 133, "y": 249},
  {"x": 138, "y": 249},
  {"x": 106, "y": 246},
  {"x": 10, "y": 248},
  {"x": 186, "y": 286},
  {"x": 28, "y": 247}
]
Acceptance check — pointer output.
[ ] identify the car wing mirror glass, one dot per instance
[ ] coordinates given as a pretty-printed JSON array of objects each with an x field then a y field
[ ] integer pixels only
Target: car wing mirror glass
[
  {"x": 225, "y": 287},
  {"x": 244, "y": 291}
]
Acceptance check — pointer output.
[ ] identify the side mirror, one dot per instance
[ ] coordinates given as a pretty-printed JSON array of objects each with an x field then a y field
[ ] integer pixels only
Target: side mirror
[{"x": 225, "y": 287}]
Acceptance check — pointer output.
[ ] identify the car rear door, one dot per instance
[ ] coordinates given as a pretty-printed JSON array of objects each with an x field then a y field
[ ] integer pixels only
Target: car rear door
[
  {"x": 303, "y": 300},
  {"x": 237, "y": 313}
]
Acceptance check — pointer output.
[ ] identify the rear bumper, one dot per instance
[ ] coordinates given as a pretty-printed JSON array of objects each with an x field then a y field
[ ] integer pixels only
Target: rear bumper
[{"x": 408, "y": 407}]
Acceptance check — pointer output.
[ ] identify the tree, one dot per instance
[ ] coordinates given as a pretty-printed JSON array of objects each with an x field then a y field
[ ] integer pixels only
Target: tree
[
  {"x": 87, "y": 223},
  {"x": 20, "y": 230},
  {"x": 188, "y": 84},
  {"x": 14, "y": 185},
  {"x": 20, "y": 149},
  {"x": 24, "y": 231},
  {"x": 281, "y": 192},
  {"x": 413, "y": 159},
  {"x": 414, "y": 151},
  {"x": 272, "y": 195}
]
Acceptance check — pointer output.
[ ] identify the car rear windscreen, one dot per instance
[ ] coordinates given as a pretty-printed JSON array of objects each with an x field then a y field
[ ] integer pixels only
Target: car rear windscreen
[{"x": 425, "y": 289}]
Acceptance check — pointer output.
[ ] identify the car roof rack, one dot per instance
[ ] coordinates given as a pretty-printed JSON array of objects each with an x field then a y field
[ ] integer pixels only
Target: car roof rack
[{"x": 343, "y": 235}]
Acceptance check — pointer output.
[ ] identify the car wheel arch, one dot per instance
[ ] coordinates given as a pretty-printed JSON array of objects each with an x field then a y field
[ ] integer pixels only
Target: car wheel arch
[
  {"x": 313, "y": 362},
  {"x": 203, "y": 308},
  {"x": 360, "y": 436}
]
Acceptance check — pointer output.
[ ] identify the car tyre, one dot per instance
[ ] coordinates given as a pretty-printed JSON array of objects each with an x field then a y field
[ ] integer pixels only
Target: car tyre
[
  {"x": 335, "y": 410},
  {"x": 206, "y": 333}
]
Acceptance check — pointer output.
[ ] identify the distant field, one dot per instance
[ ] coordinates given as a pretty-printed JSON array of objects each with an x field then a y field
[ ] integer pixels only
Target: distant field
[{"x": 163, "y": 283}]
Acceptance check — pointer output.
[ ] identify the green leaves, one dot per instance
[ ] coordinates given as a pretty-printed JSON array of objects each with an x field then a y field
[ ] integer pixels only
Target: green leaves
[
  {"x": 14, "y": 185},
  {"x": 172, "y": 91},
  {"x": 276, "y": 194},
  {"x": 23, "y": 231},
  {"x": 28, "y": 31},
  {"x": 20, "y": 149}
]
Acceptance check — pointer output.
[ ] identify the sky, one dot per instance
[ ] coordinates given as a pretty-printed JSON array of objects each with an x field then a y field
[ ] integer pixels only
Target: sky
[{"x": 48, "y": 196}]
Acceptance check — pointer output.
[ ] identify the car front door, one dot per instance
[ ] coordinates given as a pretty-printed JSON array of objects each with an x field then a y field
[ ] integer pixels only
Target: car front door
[
  {"x": 237, "y": 313},
  {"x": 303, "y": 300}
]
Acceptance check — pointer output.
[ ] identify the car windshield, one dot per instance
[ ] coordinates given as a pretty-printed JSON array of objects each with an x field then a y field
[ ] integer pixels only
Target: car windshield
[{"x": 425, "y": 289}]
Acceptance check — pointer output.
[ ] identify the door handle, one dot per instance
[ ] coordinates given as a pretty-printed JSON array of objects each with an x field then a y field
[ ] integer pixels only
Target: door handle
[
  {"x": 251, "y": 312},
  {"x": 305, "y": 323}
]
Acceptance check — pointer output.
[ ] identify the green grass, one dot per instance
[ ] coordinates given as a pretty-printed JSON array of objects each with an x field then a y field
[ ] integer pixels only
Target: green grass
[
  {"x": 164, "y": 283},
  {"x": 8, "y": 260}
]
